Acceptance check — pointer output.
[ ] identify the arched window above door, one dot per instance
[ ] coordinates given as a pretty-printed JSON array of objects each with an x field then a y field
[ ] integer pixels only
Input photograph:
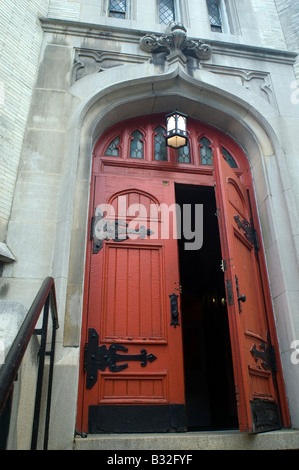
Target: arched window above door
[
  {"x": 113, "y": 149},
  {"x": 141, "y": 141},
  {"x": 228, "y": 158},
  {"x": 136, "y": 145},
  {"x": 206, "y": 152},
  {"x": 160, "y": 144}
]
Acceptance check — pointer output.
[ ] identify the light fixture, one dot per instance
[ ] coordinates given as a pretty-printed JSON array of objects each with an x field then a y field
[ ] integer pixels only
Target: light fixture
[{"x": 176, "y": 130}]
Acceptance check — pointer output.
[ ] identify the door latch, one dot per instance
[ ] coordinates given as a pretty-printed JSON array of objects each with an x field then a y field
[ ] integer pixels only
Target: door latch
[
  {"x": 174, "y": 312},
  {"x": 242, "y": 297}
]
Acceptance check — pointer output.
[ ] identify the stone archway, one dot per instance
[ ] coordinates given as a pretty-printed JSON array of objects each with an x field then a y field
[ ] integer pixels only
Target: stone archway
[{"x": 106, "y": 99}]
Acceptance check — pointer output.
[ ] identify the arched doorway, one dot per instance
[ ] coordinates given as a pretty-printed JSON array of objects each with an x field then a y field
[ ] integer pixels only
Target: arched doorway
[{"x": 178, "y": 330}]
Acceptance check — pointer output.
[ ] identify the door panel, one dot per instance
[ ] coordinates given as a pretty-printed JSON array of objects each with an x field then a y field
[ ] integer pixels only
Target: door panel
[
  {"x": 250, "y": 333},
  {"x": 131, "y": 279},
  {"x": 133, "y": 299}
]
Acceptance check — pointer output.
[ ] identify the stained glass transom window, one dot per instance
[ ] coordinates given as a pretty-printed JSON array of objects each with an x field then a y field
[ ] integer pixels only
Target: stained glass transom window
[
  {"x": 184, "y": 154},
  {"x": 112, "y": 149},
  {"x": 228, "y": 158},
  {"x": 166, "y": 11},
  {"x": 117, "y": 8},
  {"x": 206, "y": 153},
  {"x": 214, "y": 15},
  {"x": 136, "y": 147},
  {"x": 160, "y": 144}
]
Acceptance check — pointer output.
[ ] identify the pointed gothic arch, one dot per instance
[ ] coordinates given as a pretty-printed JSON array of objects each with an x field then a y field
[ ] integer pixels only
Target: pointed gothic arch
[{"x": 225, "y": 109}]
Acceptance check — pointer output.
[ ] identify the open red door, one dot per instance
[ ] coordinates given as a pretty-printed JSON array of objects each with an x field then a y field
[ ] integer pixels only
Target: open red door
[
  {"x": 133, "y": 348},
  {"x": 254, "y": 347},
  {"x": 132, "y": 377}
]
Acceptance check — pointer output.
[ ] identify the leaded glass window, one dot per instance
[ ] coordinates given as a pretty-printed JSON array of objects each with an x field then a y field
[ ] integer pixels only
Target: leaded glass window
[
  {"x": 112, "y": 149},
  {"x": 206, "y": 153},
  {"x": 117, "y": 8},
  {"x": 228, "y": 158},
  {"x": 214, "y": 15},
  {"x": 160, "y": 144},
  {"x": 136, "y": 146},
  {"x": 166, "y": 11},
  {"x": 184, "y": 155}
]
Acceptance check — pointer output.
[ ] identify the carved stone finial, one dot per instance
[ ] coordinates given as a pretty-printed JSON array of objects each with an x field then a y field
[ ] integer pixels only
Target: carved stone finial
[{"x": 176, "y": 41}]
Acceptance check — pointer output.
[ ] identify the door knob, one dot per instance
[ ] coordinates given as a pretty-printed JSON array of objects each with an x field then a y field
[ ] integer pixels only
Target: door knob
[{"x": 242, "y": 297}]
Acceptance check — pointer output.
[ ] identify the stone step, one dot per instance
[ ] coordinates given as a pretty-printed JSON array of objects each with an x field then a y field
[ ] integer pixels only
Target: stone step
[{"x": 224, "y": 440}]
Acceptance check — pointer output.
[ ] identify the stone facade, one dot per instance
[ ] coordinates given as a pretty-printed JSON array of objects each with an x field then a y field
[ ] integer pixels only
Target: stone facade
[
  {"x": 19, "y": 50},
  {"x": 69, "y": 72}
]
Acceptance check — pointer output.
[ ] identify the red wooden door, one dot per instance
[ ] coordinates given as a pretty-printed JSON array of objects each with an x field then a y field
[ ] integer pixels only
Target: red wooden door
[
  {"x": 132, "y": 277},
  {"x": 132, "y": 376},
  {"x": 254, "y": 345}
]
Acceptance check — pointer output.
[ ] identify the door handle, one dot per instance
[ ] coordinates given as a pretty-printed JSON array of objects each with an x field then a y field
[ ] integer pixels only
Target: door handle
[
  {"x": 174, "y": 312},
  {"x": 242, "y": 297}
]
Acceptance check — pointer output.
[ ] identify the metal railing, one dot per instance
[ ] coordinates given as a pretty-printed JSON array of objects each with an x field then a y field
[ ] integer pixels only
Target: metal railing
[{"x": 45, "y": 300}]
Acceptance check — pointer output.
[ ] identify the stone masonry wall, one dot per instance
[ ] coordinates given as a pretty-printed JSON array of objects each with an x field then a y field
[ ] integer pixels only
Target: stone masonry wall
[
  {"x": 268, "y": 24},
  {"x": 20, "y": 44},
  {"x": 288, "y": 11}
]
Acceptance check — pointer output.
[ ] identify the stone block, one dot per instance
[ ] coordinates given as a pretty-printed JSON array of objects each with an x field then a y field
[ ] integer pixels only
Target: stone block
[{"x": 12, "y": 314}]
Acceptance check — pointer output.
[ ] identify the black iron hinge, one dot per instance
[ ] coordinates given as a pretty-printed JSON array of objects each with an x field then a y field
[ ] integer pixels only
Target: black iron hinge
[
  {"x": 266, "y": 354},
  {"x": 249, "y": 231},
  {"x": 100, "y": 357},
  {"x": 116, "y": 230}
]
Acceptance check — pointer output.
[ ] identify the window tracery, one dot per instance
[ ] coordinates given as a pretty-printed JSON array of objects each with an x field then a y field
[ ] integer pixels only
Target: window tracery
[
  {"x": 160, "y": 149},
  {"x": 206, "y": 153},
  {"x": 228, "y": 158},
  {"x": 143, "y": 140},
  {"x": 184, "y": 154},
  {"x": 113, "y": 149},
  {"x": 136, "y": 145}
]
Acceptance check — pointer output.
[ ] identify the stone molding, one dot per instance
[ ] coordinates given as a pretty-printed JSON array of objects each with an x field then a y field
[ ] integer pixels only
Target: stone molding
[
  {"x": 254, "y": 80},
  {"x": 123, "y": 35},
  {"x": 91, "y": 61}
]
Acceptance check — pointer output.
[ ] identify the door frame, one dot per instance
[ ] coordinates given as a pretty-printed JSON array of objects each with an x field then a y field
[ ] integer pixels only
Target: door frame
[{"x": 187, "y": 176}]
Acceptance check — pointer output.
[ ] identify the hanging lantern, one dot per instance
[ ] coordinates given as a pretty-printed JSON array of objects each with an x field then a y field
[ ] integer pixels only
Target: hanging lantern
[{"x": 176, "y": 130}]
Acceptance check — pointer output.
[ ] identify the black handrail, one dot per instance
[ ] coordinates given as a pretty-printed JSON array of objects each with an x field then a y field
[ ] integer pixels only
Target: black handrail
[{"x": 45, "y": 300}]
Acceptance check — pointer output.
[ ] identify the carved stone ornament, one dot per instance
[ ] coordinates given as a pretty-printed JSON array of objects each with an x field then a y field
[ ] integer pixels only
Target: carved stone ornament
[{"x": 176, "y": 43}]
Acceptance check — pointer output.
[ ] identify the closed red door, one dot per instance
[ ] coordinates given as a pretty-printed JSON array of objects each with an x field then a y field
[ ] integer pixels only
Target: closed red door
[
  {"x": 134, "y": 359},
  {"x": 255, "y": 352}
]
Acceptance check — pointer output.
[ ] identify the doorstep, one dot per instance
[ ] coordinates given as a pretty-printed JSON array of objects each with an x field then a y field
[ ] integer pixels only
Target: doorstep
[{"x": 223, "y": 440}]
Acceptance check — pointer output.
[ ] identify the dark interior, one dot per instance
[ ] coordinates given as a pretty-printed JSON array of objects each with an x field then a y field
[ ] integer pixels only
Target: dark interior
[{"x": 209, "y": 380}]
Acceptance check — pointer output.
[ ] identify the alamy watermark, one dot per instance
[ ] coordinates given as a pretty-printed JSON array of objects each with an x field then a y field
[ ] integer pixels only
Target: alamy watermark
[
  {"x": 154, "y": 221},
  {"x": 295, "y": 353}
]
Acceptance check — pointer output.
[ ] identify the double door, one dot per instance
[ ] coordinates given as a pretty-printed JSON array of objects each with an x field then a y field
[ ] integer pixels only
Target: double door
[{"x": 132, "y": 368}]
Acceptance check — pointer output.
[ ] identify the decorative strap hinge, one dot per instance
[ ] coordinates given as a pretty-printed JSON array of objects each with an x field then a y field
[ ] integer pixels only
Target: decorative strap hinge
[
  {"x": 249, "y": 231},
  {"x": 267, "y": 356},
  {"x": 100, "y": 357},
  {"x": 116, "y": 230}
]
